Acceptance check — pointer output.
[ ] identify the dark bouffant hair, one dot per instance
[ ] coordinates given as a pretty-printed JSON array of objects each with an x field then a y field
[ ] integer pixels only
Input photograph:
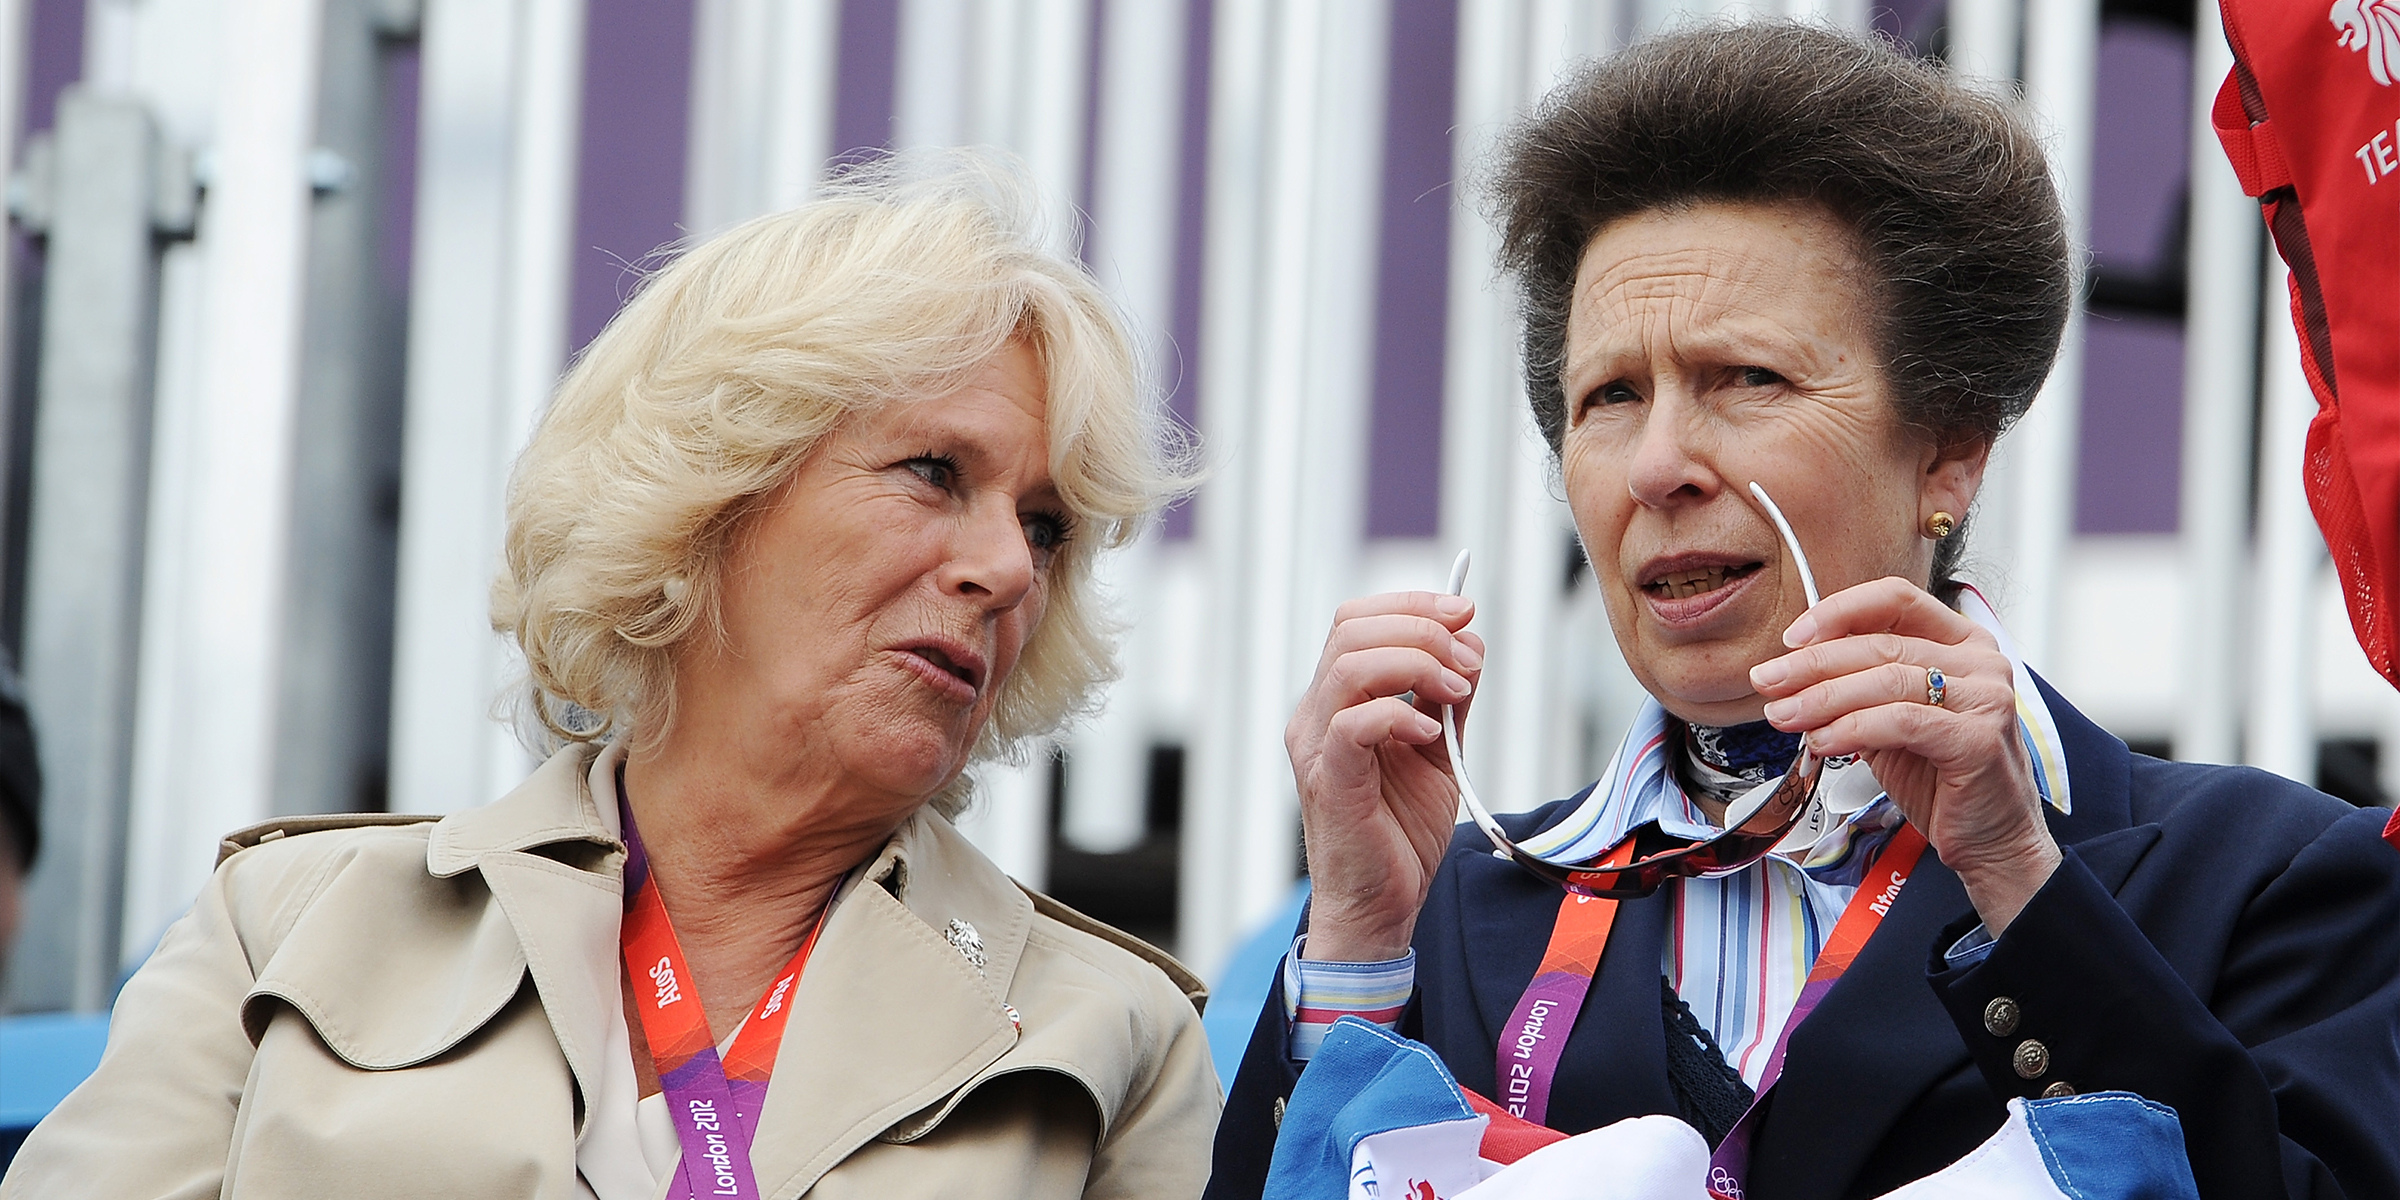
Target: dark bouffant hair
[{"x": 1957, "y": 220}]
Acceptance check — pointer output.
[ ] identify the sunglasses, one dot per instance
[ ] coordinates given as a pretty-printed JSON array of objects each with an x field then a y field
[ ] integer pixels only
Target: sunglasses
[{"x": 1646, "y": 858}]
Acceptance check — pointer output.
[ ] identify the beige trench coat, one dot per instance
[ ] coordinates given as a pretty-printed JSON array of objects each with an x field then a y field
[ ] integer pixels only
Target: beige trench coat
[{"x": 380, "y": 1006}]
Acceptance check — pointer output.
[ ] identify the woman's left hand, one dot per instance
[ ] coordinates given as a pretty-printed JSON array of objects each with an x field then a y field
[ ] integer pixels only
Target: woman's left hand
[{"x": 1856, "y": 683}]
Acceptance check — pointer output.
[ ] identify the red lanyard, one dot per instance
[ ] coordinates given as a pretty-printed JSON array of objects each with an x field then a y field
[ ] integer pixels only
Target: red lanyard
[
  {"x": 715, "y": 1102},
  {"x": 1535, "y": 1037},
  {"x": 1536, "y": 1034}
]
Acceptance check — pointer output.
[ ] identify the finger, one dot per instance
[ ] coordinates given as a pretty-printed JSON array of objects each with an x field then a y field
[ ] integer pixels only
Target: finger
[
  {"x": 1813, "y": 664},
  {"x": 1948, "y": 740},
  {"x": 1890, "y": 683},
  {"x": 1406, "y": 629},
  {"x": 1361, "y": 728},
  {"x": 1344, "y": 765},
  {"x": 1452, "y": 611},
  {"x": 1363, "y": 675},
  {"x": 1888, "y": 605},
  {"x": 1435, "y": 708}
]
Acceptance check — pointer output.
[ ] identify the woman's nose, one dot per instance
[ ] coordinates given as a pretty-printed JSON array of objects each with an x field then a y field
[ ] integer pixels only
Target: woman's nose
[
  {"x": 990, "y": 560},
  {"x": 1666, "y": 467}
]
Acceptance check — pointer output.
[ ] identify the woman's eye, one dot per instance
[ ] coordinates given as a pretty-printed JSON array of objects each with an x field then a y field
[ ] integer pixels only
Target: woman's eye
[
  {"x": 935, "y": 469},
  {"x": 1759, "y": 377},
  {"x": 1617, "y": 392},
  {"x": 1046, "y": 533}
]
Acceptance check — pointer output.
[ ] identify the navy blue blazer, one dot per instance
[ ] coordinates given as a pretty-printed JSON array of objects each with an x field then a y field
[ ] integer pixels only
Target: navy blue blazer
[{"x": 2218, "y": 939}]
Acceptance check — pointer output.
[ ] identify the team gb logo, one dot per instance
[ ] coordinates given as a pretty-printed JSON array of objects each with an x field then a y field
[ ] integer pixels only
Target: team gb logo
[{"x": 2372, "y": 26}]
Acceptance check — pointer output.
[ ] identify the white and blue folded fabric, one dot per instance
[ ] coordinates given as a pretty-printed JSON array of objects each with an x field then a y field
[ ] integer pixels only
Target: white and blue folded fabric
[
  {"x": 1378, "y": 1117},
  {"x": 2105, "y": 1146},
  {"x": 1375, "y": 1115}
]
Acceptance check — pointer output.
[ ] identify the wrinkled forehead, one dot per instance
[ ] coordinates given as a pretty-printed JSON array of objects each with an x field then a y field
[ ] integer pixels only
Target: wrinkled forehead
[{"x": 1714, "y": 273}]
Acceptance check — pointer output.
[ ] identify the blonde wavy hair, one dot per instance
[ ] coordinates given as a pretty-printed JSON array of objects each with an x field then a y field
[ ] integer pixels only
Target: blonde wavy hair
[{"x": 728, "y": 367}]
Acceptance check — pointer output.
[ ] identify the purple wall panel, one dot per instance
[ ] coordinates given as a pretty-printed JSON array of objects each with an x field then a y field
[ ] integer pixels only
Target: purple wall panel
[
  {"x": 1915, "y": 23},
  {"x": 866, "y": 71},
  {"x": 1191, "y": 236},
  {"x": 2128, "y": 477},
  {"x": 1404, "y": 443},
  {"x": 637, "y": 77},
  {"x": 396, "y": 224},
  {"x": 2131, "y": 465},
  {"x": 2141, "y": 147},
  {"x": 53, "y": 59}
]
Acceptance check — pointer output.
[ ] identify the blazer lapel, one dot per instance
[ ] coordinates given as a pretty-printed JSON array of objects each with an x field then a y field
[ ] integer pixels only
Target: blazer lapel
[
  {"x": 1623, "y": 1053},
  {"x": 1878, "y": 1040},
  {"x": 1881, "y": 1037},
  {"x": 1628, "y": 1049}
]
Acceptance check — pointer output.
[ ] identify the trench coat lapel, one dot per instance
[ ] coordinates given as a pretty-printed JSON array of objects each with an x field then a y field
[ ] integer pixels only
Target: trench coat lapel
[
  {"x": 890, "y": 1018},
  {"x": 565, "y": 916},
  {"x": 567, "y": 921}
]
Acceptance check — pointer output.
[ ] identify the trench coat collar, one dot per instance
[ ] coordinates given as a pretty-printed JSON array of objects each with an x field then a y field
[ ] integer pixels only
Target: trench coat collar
[{"x": 902, "y": 1016}]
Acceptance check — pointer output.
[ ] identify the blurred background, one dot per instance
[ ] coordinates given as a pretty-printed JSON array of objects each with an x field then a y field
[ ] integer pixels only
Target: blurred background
[{"x": 288, "y": 280}]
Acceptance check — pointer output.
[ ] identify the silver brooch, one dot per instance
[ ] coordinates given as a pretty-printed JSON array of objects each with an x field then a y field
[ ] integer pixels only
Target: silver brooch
[{"x": 967, "y": 942}]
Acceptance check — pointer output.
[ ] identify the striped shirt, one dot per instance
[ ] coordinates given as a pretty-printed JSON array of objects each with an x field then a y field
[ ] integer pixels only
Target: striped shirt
[{"x": 1740, "y": 946}]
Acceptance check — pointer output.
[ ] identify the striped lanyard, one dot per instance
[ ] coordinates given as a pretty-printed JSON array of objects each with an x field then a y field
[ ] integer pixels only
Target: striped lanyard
[
  {"x": 1535, "y": 1037},
  {"x": 715, "y": 1102}
]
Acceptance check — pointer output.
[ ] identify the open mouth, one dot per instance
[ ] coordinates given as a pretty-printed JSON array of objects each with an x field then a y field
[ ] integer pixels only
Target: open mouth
[
  {"x": 1694, "y": 581},
  {"x": 940, "y": 658},
  {"x": 948, "y": 663}
]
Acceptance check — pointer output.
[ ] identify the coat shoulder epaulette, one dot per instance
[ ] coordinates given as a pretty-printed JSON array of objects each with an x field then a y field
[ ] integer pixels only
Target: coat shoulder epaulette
[{"x": 279, "y": 828}]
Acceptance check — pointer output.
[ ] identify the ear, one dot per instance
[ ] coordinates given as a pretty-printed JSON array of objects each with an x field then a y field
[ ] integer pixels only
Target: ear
[{"x": 1953, "y": 475}]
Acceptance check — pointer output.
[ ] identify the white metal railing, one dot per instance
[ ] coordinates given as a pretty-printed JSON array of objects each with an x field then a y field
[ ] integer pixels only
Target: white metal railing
[{"x": 1227, "y": 626}]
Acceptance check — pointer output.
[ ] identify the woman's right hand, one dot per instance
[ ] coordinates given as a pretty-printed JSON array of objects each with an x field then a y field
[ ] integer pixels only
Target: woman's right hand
[{"x": 1377, "y": 799}]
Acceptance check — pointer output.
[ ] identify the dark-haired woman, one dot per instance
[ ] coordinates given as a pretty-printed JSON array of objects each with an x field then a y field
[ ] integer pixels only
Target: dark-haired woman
[{"x": 1775, "y": 255}]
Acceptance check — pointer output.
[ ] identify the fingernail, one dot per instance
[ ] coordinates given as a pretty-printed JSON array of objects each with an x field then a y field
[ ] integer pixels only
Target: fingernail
[
  {"x": 1801, "y": 632},
  {"x": 1769, "y": 673},
  {"x": 1453, "y": 606},
  {"x": 1457, "y": 682},
  {"x": 1467, "y": 657},
  {"x": 1427, "y": 727},
  {"x": 1780, "y": 711}
]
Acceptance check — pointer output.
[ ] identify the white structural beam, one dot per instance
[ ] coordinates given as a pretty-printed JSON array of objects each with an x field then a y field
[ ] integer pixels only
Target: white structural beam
[
  {"x": 1295, "y": 168},
  {"x": 1009, "y": 818},
  {"x": 168, "y": 58},
  {"x": 1137, "y": 146},
  {"x": 217, "y": 674},
  {"x": 1013, "y": 75},
  {"x": 1984, "y": 39},
  {"x": 2220, "y": 370},
  {"x": 762, "y": 107},
  {"x": 2291, "y": 554},
  {"x": 1497, "y": 498},
  {"x": 2038, "y": 461},
  {"x": 499, "y": 108},
  {"x": 85, "y": 534}
]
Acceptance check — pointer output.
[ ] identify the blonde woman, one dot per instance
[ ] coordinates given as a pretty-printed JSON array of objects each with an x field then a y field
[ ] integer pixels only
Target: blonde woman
[{"x": 808, "y": 530}]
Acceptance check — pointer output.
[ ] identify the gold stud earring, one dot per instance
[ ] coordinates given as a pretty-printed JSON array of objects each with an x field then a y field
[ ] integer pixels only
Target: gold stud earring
[{"x": 1940, "y": 525}]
